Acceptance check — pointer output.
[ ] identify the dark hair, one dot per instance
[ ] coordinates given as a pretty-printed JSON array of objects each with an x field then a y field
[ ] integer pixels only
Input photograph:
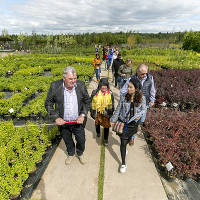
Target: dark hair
[
  {"x": 103, "y": 82},
  {"x": 138, "y": 92}
]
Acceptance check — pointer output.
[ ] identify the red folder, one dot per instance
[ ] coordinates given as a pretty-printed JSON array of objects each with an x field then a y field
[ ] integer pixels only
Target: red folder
[{"x": 71, "y": 122}]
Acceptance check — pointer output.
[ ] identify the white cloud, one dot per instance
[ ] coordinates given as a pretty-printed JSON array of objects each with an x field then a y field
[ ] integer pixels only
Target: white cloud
[{"x": 77, "y": 16}]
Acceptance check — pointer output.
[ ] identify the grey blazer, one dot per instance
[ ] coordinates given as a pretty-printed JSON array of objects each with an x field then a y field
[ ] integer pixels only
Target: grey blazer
[{"x": 123, "y": 108}]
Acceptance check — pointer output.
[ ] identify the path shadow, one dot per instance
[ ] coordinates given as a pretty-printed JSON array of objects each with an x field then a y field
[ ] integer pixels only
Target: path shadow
[
  {"x": 90, "y": 129},
  {"x": 113, "y": 141},
  {"x": 145, "y": 148}
]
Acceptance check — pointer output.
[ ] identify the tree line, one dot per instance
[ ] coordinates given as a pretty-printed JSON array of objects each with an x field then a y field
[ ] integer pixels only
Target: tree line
[{"x": 63, "y": 41}]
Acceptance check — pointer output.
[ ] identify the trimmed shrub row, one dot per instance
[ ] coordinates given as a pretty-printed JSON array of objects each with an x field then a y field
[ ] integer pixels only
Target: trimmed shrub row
[
  {"x": 21, "y": 148},
  {"x": 175, "y": 137}
]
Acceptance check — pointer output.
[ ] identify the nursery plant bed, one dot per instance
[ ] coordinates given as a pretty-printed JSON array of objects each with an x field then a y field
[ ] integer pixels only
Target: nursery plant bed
[
  {"x": 176, "y": 189},
  {"x": 31, "y": 183}
]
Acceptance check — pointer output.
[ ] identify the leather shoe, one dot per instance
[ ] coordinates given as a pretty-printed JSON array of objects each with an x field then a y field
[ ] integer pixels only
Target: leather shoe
[
  {"x": 82, "y": 159},
  {"x": 69, "y": 160}
]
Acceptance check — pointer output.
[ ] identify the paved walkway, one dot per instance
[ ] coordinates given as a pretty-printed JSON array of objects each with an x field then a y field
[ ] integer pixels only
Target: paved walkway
[{"x": 75, "y": 182}]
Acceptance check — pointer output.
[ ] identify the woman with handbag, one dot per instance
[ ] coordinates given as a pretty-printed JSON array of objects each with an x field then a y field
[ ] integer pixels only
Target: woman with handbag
[
  {"x": 130, "y": 108},
  {"x": 102, "y": 107}
]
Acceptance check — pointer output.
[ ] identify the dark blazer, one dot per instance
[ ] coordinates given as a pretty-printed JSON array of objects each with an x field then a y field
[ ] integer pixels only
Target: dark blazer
[{"x": 55, "y": 96}]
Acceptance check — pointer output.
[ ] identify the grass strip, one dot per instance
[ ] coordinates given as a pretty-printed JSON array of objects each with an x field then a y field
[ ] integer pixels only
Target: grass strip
[{"x": 101, "y": 170}]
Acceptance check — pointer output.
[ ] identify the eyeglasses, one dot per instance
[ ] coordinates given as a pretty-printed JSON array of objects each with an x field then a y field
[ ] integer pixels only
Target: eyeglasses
[{"x": 143, "y": 73}]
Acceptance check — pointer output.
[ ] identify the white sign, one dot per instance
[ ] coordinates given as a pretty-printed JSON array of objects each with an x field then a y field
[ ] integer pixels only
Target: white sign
[{"x": 169, "y": 166}]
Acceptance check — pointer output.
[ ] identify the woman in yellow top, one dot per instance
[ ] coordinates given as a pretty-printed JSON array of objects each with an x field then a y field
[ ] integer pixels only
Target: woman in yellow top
[
  {"x": 97, "y": 63},
  {"x": 102, "y": 107}
]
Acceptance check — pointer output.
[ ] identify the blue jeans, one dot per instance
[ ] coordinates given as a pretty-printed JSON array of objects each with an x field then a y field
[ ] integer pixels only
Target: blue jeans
[
  {"x": 122, "y": 82},
  {"x": 106, "y": 64},
  {"x": 142, "y": 119},
  {"x": 97, "y": 72}
]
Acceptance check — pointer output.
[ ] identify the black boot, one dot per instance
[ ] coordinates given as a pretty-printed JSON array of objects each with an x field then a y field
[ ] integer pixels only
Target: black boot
[{"x": 98, "y": 130}]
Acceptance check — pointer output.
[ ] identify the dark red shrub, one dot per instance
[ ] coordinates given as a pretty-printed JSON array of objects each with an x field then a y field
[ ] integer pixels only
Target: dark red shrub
[{"x": 176, "y": 139}]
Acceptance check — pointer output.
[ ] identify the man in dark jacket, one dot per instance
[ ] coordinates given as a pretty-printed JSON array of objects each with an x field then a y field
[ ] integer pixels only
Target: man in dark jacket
[
  {"x": 71, "y": 101},
  {"x": 115, "y": 67}
]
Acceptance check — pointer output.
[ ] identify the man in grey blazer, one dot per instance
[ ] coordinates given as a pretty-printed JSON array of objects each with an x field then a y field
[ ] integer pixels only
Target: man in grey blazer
[{"x": 68, "y": 100}]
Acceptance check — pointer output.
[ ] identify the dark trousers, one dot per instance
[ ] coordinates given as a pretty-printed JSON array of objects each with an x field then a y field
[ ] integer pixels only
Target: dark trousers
[
  {"x": 123, "y": 145},
  {"x": 116, "y": 79},
  {"x": 79, "y": 133},
  {"x": 106, "y": 131}
]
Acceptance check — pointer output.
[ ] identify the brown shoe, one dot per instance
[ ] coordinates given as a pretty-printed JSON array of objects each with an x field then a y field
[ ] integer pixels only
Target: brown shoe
[
  {"x": 69, "y": 160},
  {"x": 131, "y": 142},
  {"x": 82, "y": 159}
]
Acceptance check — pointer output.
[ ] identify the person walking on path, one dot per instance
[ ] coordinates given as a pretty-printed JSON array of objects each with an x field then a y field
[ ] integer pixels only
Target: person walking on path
[
  {"x": 148, "y": 89},
  {"x": 97, "y": 66},
  {"x": 115, "y": 54},
  {"x": 116, "y": 64},
  {"x": 125, "y": 71},
  {"x": 129, "y": 110},
  {"x": 110, "y": 55},
  {"x": 106, "y": 60},
  {"x": 102, "y": 107},
  {"x": 71, "y": 101}
]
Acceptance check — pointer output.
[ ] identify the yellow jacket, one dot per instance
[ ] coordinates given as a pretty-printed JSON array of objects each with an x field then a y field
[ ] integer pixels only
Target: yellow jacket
[{"x": 96, "y": 62}]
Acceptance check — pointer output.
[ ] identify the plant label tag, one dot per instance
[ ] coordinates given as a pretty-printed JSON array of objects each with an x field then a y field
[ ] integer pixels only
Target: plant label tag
[{"x": 169, "y": 166}]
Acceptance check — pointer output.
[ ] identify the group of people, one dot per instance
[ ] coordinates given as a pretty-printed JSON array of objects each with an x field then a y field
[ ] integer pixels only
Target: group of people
[
  {"x": 68, "y": 103},
  {"x": 112, "y": 58}
]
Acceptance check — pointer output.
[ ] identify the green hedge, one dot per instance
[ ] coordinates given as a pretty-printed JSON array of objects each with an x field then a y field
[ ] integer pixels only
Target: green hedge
[{"x": 21, "y": 148}]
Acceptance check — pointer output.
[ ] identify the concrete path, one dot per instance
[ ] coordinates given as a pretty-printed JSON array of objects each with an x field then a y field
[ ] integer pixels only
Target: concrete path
[{"x": 75, "y": 182}]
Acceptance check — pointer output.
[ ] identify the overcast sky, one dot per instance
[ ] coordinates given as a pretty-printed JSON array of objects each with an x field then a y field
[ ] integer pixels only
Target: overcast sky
[{"x": 80, "y": 16}]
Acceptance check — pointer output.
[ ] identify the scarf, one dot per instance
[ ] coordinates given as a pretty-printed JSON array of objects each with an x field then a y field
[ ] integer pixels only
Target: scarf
[{"x": 102, "y": 101}]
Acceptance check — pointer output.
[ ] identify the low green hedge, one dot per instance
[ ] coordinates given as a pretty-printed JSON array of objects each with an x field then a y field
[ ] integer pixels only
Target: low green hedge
[{"x": 21, "y": 148}]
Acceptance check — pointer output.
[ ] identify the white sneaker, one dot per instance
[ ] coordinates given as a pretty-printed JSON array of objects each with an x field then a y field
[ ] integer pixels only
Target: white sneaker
[{"x": 123, "y": 169}]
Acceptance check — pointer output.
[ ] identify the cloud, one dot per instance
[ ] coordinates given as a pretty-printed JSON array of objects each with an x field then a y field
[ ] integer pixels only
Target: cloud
[{"x": 79, "y": 16}]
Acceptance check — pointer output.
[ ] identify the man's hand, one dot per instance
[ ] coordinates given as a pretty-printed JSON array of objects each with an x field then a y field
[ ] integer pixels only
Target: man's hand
[
  {"x": 80, "y": 119},
  {"x": 151, "y": 104},
  {"x": 112, "y": 124},
  {"x": 60, "y": 121}
]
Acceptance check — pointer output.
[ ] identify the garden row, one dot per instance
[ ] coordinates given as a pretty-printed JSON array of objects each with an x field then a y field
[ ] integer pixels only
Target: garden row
[
  {"x": 21, "y": 149},
  {"x": 164, "y": 58},
  {"x": 177, "y": 88},
  {"x": 175, "y": 139},
  {"x": 24, "y": 84},
  {"x": 173, "y": 126}
]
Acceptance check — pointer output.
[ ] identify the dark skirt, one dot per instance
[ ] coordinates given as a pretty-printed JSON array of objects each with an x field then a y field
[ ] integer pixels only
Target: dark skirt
[{"x": 131, "y": 130}]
